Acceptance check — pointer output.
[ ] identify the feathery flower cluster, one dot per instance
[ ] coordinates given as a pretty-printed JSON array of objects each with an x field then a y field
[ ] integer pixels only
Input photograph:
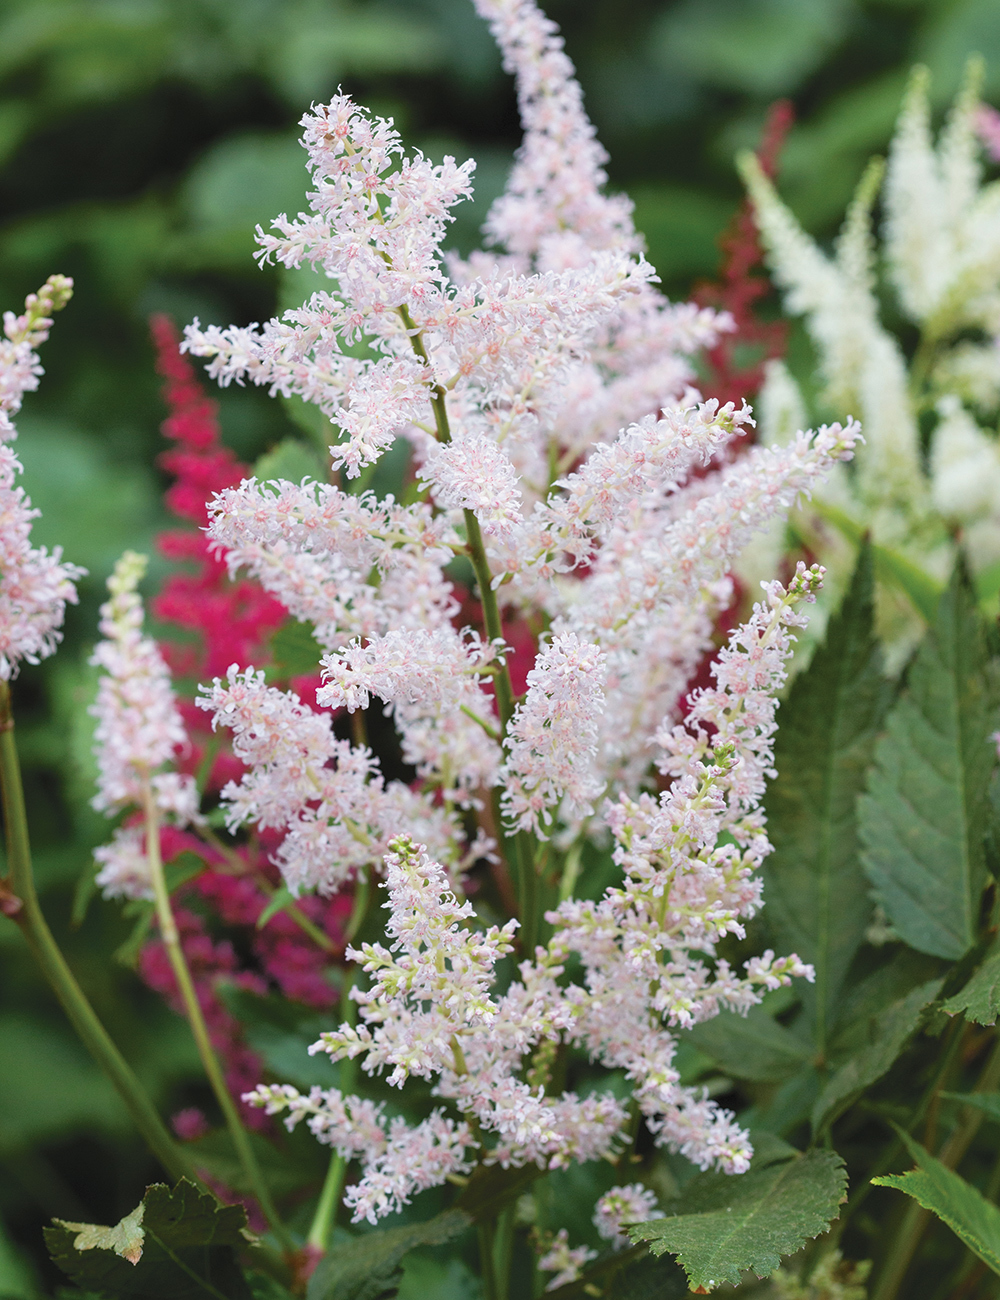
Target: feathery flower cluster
[
  {"x": 429, "y": 1010},
  {"x": 546, "y": 393},
  {"x": 138, "y": 732},
  {"x": 552, "y": 738},
  {"x": 941, "y": 248},
  {"x": 35, "y": 584},
  {"x": 622, "y": 1206}
]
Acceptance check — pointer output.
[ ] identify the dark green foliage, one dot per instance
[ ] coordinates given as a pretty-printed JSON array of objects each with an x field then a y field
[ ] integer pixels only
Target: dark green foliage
[
  {"x": 726, "y": 1225},
  {"x": 889, "y": 1034},
  {"x": 923, "y": 819},
  {"x": 368, "y": 1267},
  {"x": 817, "y": 895},
  {"x": 979, "y": 1000},
  {"x": 754, "y": 1046},
  {"x": 965, "y": 1210},
  {"x": 177, "y": 1243}
]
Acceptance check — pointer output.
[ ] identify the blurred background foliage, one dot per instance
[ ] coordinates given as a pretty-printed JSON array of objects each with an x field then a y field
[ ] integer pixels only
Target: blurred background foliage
[{"x": 140, "y": 142}]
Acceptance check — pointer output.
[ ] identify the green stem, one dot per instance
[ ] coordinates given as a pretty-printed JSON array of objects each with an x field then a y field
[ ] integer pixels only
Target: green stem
[
  {"x": 487, "y": 1262},
  {"x": 24, "y": 909},
  {"x": 914, "y": 1223},
  {"x": 199, "y": 1030},
  {"x": 321, "y": 1228},
  {"x": 325, "y": 1215},
  {"x": 518, "y": 848}
]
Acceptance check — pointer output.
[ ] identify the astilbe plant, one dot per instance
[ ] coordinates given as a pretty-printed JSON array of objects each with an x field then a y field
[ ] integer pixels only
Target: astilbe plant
[
  {"x": 547, "y": 393},
  {"x": 929, "y": 472}
]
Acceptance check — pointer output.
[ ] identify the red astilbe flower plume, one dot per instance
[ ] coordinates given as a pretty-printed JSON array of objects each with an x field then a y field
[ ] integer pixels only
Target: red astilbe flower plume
[
  {"x": 730, "y": 377},
  {"x": 227, "y": 622},
  {"x": 232, "y": 619}
]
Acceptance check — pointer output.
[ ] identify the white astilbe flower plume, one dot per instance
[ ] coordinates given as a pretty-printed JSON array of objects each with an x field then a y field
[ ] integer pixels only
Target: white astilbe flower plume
[
  {"x": 138, "y": 734},
  {"x": 35, "y": 584},
  {"x": 941, "y": 254}
]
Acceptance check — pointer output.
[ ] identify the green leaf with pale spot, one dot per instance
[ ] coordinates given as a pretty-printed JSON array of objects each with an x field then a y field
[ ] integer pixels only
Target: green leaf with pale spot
[
  {"x": 368, "y": 1267},
  {"x": 924, "y": 817},
  {"x": 177, "y": 1244},
  {"x": 125, "y": 1238},
  {"x": 818, "y": 903},
  {"x": 726, "y": 1225},
  {"x": 980, "y": 999},
  {"x": 888, "y": 1034},
  {"x": 974, "y": 1219}
]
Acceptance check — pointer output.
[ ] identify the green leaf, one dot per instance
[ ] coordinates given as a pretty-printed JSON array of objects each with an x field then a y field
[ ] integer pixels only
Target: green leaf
[
  {"x": 895, "y": 570},
  {"x": 290, "y": 459},
  {"x": 924, "y": 817},
  {"x": 888, "y": 1034},
  {"x": 980, "y": 999},
  {"x": 176, "y": 1244},
  {"x": 725, "y": 1225},
  {"x": 816, "y": 891},
  {"x": 753, "y": 1047},
  {"x": 294, "y": 650},
  {"x": 987, "y": 1102},
  {"x": 50, "y": 1085},
  {"x": 964, "y": 1209},
  {"x": 368, "y": 1267}
]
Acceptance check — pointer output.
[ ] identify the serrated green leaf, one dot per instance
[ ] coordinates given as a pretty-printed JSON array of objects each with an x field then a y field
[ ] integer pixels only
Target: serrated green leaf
[
  {"x": 923, "y": 819},
  {"x": 957, "y": 1203},
  {"x": 177, "y": 1244},
  {"x": 980, "y": 999},
  {"x": 752, "y": 1047},
  {"x": 817, "y": 895},
  {"x": 294, "y": 650},
  {"x": 725, "y": 1225},
  {"x": 888, "y": 1034},
  {"x": 368, "y": 1267}
]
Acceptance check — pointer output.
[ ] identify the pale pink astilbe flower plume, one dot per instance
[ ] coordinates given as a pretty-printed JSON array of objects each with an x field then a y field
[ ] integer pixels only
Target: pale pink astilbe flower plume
[
  {"x": 337, "y": 813},
  {"x": 138, "y": 734},
  {"x": 377, "y": 221},
  {"x": 20, "y": 369},
  {"x": 546, "y": 393},
  {"x": 621, "y": 1207},
  {"x": 684, "y": 890},
  {"x": 430, "y": 1012},
  {"x": 552, "y": 738},
  {"x": 35, "y": 584},
  {"x": 399, "y": 1160},
  {"x": 553, "y": 205},
  {"x": 412, "y": 665},
  {"x": 474, "y": 474}
]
